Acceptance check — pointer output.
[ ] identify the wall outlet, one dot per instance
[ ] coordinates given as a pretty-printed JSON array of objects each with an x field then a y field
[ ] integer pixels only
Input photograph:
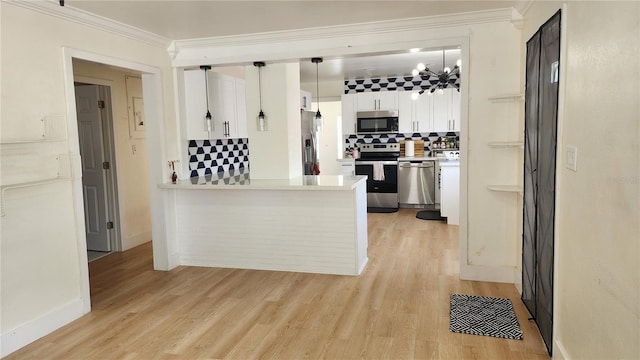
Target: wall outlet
[{"x": 572, "y": 158}]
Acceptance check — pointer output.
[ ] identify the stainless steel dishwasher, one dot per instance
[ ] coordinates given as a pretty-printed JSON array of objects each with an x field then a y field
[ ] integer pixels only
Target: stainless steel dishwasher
[{"x": 416, "y": 183}]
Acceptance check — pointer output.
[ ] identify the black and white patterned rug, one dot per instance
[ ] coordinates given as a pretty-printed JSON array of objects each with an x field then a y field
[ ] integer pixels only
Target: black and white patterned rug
[{"x": 481, "y": 315}]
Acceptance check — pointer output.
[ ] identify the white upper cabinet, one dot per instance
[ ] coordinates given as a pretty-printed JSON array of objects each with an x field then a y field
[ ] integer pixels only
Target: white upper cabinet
[
  {"x": 380, "y": 100},
  {"x": 195, "y": 102},
  {"x": 414, "y": 115},
  {"x": 446, "y": 111},
  {"x": 349, "y": 109},
  {"x": 227, "y": 105},
  {"x": 305, "y": 100}
]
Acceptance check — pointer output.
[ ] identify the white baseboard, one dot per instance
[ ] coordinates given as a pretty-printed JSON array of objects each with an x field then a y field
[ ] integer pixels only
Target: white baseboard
[
  {"x": 502, "y": 274},
  {"x": 33, "y": 330},
  {"x": 559, "y": 352}
]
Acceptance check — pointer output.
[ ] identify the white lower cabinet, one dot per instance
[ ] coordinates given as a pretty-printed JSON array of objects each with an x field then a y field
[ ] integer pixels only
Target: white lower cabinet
[
  {"x": 227, "y": 104},
  {"x": 347, "y": 167},
  {"x": 450, "y": 192}
]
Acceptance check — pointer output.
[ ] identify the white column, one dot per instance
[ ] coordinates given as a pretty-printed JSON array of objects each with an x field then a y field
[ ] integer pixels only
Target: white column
[{"x": 277, "y": 152}]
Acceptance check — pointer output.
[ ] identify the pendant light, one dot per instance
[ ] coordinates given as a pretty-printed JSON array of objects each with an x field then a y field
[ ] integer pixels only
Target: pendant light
[
  {"x": 261, "y": 119},
  {"x": 317, "y": 120},
  {"x": 208, "y": 117},
  {"x": 445, "y": 78}
]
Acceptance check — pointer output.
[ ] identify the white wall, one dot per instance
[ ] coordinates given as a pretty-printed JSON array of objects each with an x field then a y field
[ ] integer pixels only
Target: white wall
[
  {"x": 133, "y": 189},
  {"x": 275, "y": 153},
  {"x": 42, "y": 262},
  {"x": 597, "y": 247},
  {"x": 330, "y": 137}
]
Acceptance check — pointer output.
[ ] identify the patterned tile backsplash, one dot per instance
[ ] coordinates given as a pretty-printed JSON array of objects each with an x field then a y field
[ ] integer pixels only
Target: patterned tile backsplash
[
  {"x": 394, "y": 83},
  {"x": 207, "y": 157},
  {"x": 353, "y": 140}
]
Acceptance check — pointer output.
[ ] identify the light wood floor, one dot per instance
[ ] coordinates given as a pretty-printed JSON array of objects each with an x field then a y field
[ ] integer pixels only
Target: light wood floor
[{"x": 397, "y": 309}]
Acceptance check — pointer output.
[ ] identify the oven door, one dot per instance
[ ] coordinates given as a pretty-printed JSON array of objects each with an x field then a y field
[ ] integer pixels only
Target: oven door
[{"x": 382, "y": 193}]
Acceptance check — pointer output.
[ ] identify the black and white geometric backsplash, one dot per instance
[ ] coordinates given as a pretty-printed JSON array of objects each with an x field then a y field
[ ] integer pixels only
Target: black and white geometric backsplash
[
  {"x": 353, "y": 140},
  {"x": 394, "y": 83},
  {"x": 207, "y": 157}
]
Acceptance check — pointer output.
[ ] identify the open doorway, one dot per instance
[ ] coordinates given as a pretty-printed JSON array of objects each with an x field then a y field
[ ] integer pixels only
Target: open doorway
[{"x": 124, "y": 166}]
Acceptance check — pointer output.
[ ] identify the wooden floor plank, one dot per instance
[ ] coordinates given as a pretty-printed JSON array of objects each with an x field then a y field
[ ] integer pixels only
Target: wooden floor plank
[{"x": 397, "y": 309}]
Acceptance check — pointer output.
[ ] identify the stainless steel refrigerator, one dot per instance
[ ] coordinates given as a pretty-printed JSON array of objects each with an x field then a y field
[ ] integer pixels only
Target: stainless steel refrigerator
[{"x": 310, "y": 153}]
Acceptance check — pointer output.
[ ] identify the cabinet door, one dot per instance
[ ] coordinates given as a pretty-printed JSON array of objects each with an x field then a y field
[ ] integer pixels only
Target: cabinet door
[
  {"x": 387, "y": 100},
  {"x": 349, "y": 106},
  {"x": 347, "y": 169},
  {"x": 454, "y": 110},
  {"x": 422, "y": 113},
  {"x": 450, "y": 193},
  {"x": 367, "y": 101},
  {"x": 222, "y": 104},
  {"x": 440, "y": 118},
  {"x": 406, "y": 117},
  {"x": 195, "y": 105},
  {"x": 242, "y": 122},
  {"x": 380, "y": 100}
]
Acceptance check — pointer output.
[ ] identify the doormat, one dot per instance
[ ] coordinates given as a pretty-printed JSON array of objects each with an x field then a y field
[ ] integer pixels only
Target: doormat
[
  {"x": 481, "y": 315},
  {"x": 430, "y": 215}
]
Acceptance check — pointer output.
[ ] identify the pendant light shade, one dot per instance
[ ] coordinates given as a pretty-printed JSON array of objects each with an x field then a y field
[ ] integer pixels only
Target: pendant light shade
[
  {"x": 208, "y": 118},
  {"x": 317, "y": 120},
  {"x": 261, "y": 119}
]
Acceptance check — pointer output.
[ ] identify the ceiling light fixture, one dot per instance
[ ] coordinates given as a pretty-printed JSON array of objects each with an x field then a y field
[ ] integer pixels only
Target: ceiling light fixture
[
  {"x": 444, "y": 78},
  {"x": 262, "y": 119},
  {"x": 208, "y": 117},
  {"x": 317, "y": 120}
]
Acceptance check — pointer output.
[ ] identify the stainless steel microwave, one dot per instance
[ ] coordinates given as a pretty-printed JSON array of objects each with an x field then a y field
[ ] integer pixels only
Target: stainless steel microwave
[{"x": 377, "y": 122}]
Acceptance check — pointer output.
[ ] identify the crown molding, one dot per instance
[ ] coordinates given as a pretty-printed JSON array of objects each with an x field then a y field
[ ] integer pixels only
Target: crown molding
[
  {"x": 367, "y": 28},
  {"x": 85, "y": 18},
  {"x": 522, "y": 6}
]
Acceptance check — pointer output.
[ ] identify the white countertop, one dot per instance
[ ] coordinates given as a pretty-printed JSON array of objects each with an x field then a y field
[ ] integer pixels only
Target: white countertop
[{"x": 228, "y": 181}]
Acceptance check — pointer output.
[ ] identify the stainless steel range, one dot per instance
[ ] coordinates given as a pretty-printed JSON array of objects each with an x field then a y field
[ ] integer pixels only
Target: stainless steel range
[{"x": 380, "y": 163}]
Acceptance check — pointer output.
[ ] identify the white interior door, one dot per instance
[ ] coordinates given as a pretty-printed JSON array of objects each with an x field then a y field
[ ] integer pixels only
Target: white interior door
[{"x": 93, "y": 173}]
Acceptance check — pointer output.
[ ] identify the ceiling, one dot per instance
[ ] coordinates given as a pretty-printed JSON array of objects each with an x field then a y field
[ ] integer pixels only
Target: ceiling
[{"x": 188, "y": 19}]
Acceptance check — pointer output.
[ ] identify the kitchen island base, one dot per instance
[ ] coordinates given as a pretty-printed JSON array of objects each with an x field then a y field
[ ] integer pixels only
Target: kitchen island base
[{"x": 302, "y": 229}]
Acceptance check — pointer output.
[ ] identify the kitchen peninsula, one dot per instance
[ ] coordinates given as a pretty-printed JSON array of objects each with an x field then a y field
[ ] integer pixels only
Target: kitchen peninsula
[{"x": 315, "y": 224}]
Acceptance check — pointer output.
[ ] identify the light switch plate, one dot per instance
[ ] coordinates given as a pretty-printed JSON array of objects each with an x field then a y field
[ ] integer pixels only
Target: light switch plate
[{"x": 572, "y": 158}]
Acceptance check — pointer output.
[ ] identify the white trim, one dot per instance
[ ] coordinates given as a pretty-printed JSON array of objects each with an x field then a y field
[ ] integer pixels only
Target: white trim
[
  {"x": 501, "y": 274},
  {"x": 86, "y": 18},
  {"x": 31, "y": 331},
  {"x": 341, "y": 40},
  {"x": 367, "y": 28},
  {"x": 156, "y": 151},
  {"x": 559, "y": 352}
]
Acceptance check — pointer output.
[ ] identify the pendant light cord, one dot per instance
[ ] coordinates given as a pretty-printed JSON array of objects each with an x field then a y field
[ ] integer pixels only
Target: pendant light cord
[
  {"x": 260, "y": 85},
  {"x": 317, "y": 89}
]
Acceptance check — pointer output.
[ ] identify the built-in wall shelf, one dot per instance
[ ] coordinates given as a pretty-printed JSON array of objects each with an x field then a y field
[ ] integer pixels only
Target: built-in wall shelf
[
  {"x": 53, "y": 128},
  {"x": 506, "y": 144},
  {"x": 63, "y": 174},
  {"x": 507, "y": 98},
  {"x": 506, "y": 188}
]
